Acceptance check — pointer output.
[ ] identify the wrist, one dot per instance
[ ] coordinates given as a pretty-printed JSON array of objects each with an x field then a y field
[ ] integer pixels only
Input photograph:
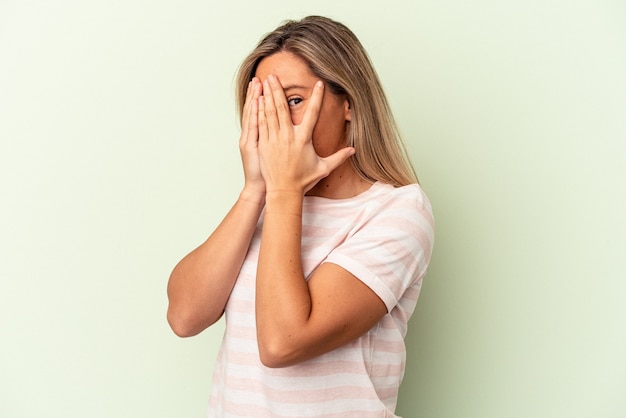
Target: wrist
[
  {"x": 284, "y": 201},
  {"x": 253, "y": 195}
]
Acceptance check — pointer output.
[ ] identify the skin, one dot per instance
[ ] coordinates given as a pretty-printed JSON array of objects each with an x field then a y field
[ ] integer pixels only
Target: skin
[{"x": 292, "y": 144}]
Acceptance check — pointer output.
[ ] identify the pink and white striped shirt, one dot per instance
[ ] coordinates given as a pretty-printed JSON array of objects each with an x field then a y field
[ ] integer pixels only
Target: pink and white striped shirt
[{"x": 384, "y": 237}]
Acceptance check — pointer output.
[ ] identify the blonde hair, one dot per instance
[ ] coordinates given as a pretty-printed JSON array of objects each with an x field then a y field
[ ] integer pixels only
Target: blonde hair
[{"x": 335, "y": 55}]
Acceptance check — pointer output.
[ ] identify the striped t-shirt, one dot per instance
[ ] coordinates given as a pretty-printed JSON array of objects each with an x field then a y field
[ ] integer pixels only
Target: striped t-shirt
[{"x": 384, "y": 237}]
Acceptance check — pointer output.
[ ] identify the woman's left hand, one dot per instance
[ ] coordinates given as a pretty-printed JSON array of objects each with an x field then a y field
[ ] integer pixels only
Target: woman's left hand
[{"x": 288, "y": 159}]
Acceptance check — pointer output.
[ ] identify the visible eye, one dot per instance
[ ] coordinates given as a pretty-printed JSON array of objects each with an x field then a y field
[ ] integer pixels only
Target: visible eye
[{"x": 294, "y": 101}]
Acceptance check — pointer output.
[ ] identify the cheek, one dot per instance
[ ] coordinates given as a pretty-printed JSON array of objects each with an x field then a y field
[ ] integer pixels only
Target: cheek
[
  {"x": 296, "y": 117},
  {"x": 325, "y": 141}
]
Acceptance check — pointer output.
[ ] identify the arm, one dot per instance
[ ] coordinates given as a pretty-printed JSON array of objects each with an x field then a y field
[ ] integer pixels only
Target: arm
[
  {"x": 299, "y": 319},
  {"x": 200, "y": 284}
]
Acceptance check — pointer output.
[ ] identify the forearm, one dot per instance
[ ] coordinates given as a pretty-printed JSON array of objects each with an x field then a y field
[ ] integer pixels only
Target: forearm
[
  {"x": 202, "y": 281},
  {"x": 283, "y": 301}
]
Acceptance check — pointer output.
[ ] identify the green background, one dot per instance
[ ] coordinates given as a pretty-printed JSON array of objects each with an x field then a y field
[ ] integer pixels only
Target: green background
[{"x": 118, "y": 155}]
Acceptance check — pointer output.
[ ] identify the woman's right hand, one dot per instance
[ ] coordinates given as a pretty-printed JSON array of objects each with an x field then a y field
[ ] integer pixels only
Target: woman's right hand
[{"x": 254, "y": 187}]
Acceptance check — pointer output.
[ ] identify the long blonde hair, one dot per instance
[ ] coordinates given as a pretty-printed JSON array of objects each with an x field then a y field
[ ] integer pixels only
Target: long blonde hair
[{"x": 335, "y": 55}]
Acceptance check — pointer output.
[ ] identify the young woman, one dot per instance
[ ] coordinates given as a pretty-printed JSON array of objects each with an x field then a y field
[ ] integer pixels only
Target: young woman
[{"x": 318, "y": 265}]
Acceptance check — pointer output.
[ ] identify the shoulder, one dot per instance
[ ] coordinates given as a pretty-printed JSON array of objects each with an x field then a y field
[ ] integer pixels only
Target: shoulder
[
  {"x": 389, "y": 214},
  {"x": 410, "y": 198}
]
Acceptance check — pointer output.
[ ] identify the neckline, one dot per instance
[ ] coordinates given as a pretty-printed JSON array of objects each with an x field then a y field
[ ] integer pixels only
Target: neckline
[{"x": 374, "y": 187}]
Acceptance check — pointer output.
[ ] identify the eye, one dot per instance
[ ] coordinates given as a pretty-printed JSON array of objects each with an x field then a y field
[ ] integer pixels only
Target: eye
[{"x": 294, "y": 101}]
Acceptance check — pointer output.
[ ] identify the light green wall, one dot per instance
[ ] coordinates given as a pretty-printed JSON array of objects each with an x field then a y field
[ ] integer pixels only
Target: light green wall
[{"x": 118, "y": 154}]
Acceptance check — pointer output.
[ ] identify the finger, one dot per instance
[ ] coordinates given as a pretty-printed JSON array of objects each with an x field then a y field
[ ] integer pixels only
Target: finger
[
  {"x": 256, "y": 88},
  {"x": 253, "y": 122},
  {"x": 247, "y": 109},
  {"x": 245, "y": 114},
  {"x": 313, "y": 108},
  {"x": 262, "y": 120},
  {"x": 254, "y": 105},
  {"x": 269, "y": 107},
  {"x": 335, "y": 160},
  {"x": 280, "y": 101}
]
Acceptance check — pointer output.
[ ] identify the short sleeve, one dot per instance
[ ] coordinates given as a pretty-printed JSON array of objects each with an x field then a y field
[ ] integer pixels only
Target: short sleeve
[{"x": 391, "y": 249}]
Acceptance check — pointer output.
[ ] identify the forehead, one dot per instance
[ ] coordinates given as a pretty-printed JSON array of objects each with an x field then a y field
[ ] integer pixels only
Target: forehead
[{"x": 288, "y": 67}]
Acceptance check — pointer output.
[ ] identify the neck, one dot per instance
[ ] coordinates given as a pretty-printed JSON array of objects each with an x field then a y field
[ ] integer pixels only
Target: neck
[{"x": 342, "y": 183}]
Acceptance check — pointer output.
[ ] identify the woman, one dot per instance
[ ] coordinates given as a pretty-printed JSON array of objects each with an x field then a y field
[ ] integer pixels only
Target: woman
[{"x": 319, "y": 263}]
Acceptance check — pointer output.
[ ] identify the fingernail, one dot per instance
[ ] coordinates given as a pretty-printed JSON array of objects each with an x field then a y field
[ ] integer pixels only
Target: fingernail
[{"x": 319, "y": 83}]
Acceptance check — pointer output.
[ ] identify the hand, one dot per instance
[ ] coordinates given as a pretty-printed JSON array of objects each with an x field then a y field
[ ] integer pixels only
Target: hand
[
  {"x": 288, "y": 159},
  {"x": 249, "y": 140}
]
